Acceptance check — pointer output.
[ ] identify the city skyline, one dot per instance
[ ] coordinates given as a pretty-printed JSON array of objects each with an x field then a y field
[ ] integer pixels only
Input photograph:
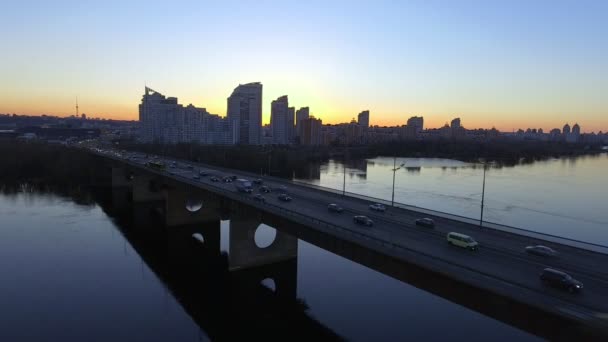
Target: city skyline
[{"x": 508, "y": 66}]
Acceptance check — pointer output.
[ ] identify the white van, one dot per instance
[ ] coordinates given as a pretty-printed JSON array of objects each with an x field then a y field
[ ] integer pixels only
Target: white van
[{"x": 462, "y": 240}]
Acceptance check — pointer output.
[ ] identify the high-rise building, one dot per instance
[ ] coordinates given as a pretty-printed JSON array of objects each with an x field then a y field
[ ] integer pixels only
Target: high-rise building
[
  {"x": 566, "y": 129},
  {"x": 301, "y": 114},
  {"x": 165, "y": 121},
  {"x": 279, "y": 120},
  {"x": 245, "y": 113},
  {"x": 363, "y": 119},
  {"x": 291, "y": 129},
  {"x": 311, "y": 131},
  {"x": 455, "y": 124},
  {"x": 417, "y": 122}
]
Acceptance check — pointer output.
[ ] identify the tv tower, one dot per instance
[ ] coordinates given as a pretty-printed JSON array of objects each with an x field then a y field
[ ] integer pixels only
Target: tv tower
[{"x": 76, "y": 106}]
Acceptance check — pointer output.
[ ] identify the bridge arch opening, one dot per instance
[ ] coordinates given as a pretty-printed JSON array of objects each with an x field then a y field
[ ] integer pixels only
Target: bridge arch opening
[
  {"x": 193, "y": 205},
  {"x": 199, "y": 237},
  {"x": 264, "y": 236},
  {"x": 269, "y": 283}
]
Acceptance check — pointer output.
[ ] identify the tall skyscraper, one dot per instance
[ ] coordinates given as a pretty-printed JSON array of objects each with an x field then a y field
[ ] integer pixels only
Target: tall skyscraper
[
  {"x": 566, "y": 129},
  {"x": 455, "y": 124},
  {"x": 245, "y": 112},
  {"x": 363, "y": 119},
  {"x": 279, "y": 120},
  {"x": 301, "y": 114}
]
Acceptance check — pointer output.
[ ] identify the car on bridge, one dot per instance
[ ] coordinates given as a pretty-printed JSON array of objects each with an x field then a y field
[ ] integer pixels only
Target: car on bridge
[
  {"x": 541, "y": 251},
  {"x": 196, "y": 176},
  {"x": 463, "y": 241},
  {"x": 285, "y": 198},
  {"x": 425, "y": 222},
  {"x": 561, "y": 280},
  {"x": 363, "y": 220},
  {"x": 214, "y": 179},
  {"x": 258, "y": 181},
  {"x": 334, "y": 208},
  {"x": 377, "y": 207},
  {"x": 227, "y": 179},
  {"x": 203, "y": 174},
  {"x": 265, "y": 189},
  {"x": 259, "y": 198}
]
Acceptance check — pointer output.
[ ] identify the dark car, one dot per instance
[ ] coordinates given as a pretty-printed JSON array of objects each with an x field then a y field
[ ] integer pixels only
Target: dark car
[
  {"x": 265, "y": 189},
  {"x": 284, "y": 198},
  {"x": 377, "y": 207},
  {"x": 203, "y": 174},
  {"x": 258, "y": 181},
  {"x": 541, "y": 251},
  {"x": 233, "y": 177},
  {"x": 363, "y": 220},
  {"x": 425, "y": 222},
  {"x": 227, "y": 180},
  {"x": 214, "y": 179},
  {"x": 561, "y": 280},
  {"x": 259, "y": 198},
  {"x": 334, "y": 208}
]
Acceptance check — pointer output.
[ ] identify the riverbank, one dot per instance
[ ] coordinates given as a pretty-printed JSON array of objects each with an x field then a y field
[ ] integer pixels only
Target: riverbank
[{"x": 287, "y": 161}]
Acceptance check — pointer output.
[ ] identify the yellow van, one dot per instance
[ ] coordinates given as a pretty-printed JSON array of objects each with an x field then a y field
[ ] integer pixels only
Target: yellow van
[{"x": 462, "y": 240}]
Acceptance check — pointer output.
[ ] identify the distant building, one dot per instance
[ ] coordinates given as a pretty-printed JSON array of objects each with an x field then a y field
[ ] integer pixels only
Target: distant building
[
  {"x": 291, "y": 128},
  {"x": 417, "y": 122},
  {"x": 575, "y": 135},
  {"x": 456, "y": 129},
  {"x": 245, "y": 113},
  {"x": 163, "y": 120},
  {"x": 311, "y": 131},
  {"x": 566, "y": 129},
  {"x": 279, "y": 120},
  {"x": 301, "y": 114},
  {"x": 363, "y": 119}
]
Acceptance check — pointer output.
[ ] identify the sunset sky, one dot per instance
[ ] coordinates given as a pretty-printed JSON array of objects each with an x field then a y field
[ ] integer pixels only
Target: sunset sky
[{"x": 508, "y": 64}]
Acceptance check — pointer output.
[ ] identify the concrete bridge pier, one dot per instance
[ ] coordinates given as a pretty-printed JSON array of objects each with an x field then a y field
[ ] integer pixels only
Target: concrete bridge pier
[
  {"x": 147, "y": 189},
  {"x": 273, "y": 266}
]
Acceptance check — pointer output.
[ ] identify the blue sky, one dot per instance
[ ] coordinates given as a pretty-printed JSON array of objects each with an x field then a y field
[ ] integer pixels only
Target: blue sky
[{"x": 507, "y": 64}]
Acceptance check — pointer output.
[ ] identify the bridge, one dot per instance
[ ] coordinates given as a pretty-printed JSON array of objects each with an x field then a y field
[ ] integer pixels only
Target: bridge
[{"x": 500, "y": 268}]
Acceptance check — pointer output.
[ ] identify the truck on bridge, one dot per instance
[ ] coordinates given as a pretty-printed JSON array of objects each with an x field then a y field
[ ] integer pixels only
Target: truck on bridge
[{"x": 243, "y": 185}]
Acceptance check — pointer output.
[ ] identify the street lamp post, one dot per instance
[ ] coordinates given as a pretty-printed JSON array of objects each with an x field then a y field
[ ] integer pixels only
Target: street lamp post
[
  {"x": 483, "y": 192},
  {"x": 344, "y": 177},
  {"x": 395, "y": 168}
]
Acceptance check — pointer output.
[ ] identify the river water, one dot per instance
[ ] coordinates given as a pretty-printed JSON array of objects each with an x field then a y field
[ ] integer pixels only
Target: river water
[
  {"x": 75, "y": 270},
  {"x": 567, "y": 197}
]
